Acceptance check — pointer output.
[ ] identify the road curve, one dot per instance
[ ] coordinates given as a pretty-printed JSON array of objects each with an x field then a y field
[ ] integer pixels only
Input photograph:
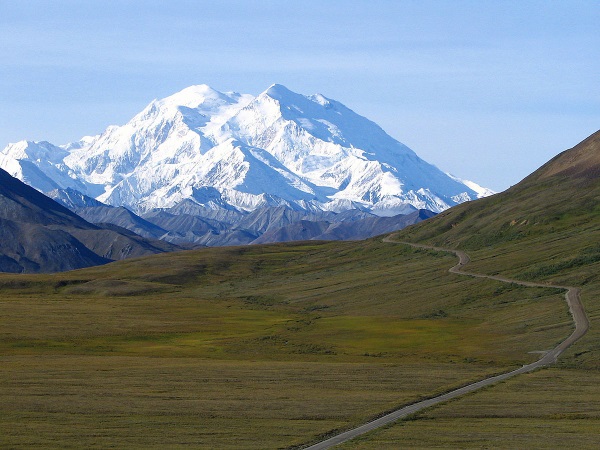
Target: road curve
[{"x": 581, "y": 326}]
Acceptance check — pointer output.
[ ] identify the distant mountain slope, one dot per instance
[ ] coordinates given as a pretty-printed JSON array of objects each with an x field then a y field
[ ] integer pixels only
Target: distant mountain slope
[
  {"x": 72, "y": 198},
  {"x": 39, "y": 235},
  {"x": 362, "y": 228},
  {"x": 199, "y": 226},
  {"x": 122, "y": 217},
  {"x": 27, "y": 247},
  {"x": 234, "y": 151},
  {"x": 21, "y": 203}
]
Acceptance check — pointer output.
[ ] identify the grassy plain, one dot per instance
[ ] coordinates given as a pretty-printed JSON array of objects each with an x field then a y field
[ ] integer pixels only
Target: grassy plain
[
  {"x": 251, "y": 347},
  {"x": 512, "y": 414}
]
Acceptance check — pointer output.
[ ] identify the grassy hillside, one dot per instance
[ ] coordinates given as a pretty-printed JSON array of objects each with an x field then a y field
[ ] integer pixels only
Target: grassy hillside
[
  {"x": 545, "y": 228},
  {"x": 251, "y": 347},
  {"x": 561, "y": 200}
]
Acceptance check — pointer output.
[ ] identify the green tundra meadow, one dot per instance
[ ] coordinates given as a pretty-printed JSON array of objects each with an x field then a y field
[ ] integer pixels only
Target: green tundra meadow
[{"x": 248, "y": 347}]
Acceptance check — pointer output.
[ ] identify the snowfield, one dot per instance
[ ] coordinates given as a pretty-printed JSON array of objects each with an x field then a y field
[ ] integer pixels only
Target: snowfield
[{"x": 279, "y": 148}]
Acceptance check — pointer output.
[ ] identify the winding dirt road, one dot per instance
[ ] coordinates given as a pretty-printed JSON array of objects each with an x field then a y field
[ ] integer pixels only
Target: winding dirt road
[{"x": 581, "y": 326}]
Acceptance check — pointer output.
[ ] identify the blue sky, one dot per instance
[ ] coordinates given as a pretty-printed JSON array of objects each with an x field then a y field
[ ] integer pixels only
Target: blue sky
[{"x": 486, "y": 90}]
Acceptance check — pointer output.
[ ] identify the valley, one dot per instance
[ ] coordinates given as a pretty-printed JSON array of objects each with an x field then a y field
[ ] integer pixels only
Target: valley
[
  {"x": 287, "y": 344},
  {"x": 299, "y": 226},
  {"x": 547, "y": 357},
  {"x": 236, "y": 344}
]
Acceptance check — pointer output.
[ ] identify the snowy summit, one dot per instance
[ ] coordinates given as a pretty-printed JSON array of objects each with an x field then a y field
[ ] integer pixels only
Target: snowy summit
[{"x": 239, "y": 151}]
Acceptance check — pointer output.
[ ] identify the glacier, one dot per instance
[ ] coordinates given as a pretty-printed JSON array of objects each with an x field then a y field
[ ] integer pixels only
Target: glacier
[{"x": 231, "y": 150}]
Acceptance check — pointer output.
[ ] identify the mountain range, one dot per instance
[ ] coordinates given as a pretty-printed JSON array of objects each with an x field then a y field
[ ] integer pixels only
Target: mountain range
[
  {"x": 189, "y": 223},
  {"x": 237, "y": 152},
  {"x": 206, "y": 168}
]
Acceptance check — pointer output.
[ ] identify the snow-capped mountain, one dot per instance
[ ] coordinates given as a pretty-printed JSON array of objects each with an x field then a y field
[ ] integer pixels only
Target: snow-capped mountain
[{"x": 230, "y": 150}]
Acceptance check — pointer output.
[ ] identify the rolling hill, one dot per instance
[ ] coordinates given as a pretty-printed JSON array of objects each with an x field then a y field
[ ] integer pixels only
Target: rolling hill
[{"x": 547, "y": 227}]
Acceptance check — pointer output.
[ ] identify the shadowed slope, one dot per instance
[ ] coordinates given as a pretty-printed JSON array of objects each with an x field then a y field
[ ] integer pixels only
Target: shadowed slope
[
  {"x": 39, "y": 235},
  {"x": 22, "y": 203}
]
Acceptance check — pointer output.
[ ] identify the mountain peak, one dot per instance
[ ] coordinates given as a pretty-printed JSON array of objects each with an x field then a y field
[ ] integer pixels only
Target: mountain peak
[
  {"x": 278, "y": 90},
  {"x": 302, "y": 103},
  {"x": 194, "y": 96}
]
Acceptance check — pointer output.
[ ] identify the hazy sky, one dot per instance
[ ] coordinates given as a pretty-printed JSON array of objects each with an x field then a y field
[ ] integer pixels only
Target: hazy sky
[{"x": 486, "y": 90}]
